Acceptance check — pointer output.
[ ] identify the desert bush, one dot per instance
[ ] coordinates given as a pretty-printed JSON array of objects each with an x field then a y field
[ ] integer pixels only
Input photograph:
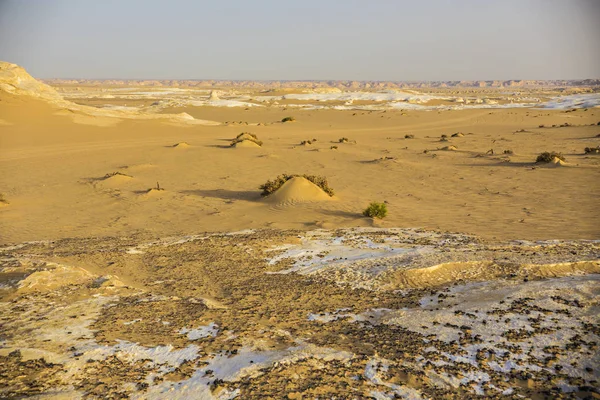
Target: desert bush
[
  {"x": 246, "y": 134},
  {"x": 547, "y": 157},
  {"x": 375, "y": 210},
  {"x": 3, "y": 199},
  {"x": 409, "y": 136},
  {"x": 307, "y": 142},
  {"x": 343, "y": 140},
  {"x": 507, "y": 151},
  {"x": 288, "y": 119},
  {"x": 272, "y": 186},
  {"x": 156, "y": 188},
  {"x": 444, "y": 136},
  {"x": 333, "y": 147},
  {"x": 249, "y": 137},
  {"x": 592, "y": 150},
  {"x": 116, "y": 174}
]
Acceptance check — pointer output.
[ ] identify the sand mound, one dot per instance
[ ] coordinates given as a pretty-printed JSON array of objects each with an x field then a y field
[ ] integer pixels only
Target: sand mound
[
  {"x": 298, "y": 190},
  {"x": 246, "y": 136},
  {"x": 181, "y": 145},
  {"x": 449, "y": 148},
  {"x": 116, "y": 179},
  {"x": 60, "y": 275},
  {"x": 557, "y": 162},
  {"x": 441, "y": 274},
  {"x": 246, "y": 144},
  {"x": 562, "y": 269},
  {"x": 153, "y": 193},
  {"x": 446, "y": 273}
]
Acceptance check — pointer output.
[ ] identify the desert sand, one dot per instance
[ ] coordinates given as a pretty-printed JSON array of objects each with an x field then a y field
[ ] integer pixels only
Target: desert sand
[{"x": 139, "y": 259}]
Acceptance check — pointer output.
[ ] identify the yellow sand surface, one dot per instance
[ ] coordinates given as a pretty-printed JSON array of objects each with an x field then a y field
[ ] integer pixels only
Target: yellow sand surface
[{"x": 52, "y": 165}]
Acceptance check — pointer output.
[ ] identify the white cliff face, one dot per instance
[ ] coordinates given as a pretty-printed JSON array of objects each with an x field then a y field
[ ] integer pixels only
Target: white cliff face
[{"x": 15, "y": 80}]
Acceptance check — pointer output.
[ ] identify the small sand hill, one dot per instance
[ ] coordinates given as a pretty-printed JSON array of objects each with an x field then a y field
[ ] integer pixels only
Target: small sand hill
[
  {"x": 246, "y": 144},
  {"x": 556, "y": 162},
  {"x": 298, "y": 190},
  {"x": 442, "y": 274},
  {"x": 449, "y": 148},
  {"x": 155, "y": 192},
  {"x": 115, "y": 180},
  {"x": 57, "y": 276},
  {"x": 246, "y": 136},
  {"x": 181, "y": 145}
]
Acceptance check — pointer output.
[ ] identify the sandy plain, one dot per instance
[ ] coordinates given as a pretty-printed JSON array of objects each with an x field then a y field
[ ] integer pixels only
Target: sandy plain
[{"x": 207, "y": 290}]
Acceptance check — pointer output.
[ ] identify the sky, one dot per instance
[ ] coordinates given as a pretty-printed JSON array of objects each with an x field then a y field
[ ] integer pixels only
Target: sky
[{"x": 378, "y": 40}]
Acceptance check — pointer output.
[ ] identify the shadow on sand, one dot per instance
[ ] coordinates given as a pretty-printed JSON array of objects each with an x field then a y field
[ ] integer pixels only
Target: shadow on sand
[{"x": 246, "y": 195}]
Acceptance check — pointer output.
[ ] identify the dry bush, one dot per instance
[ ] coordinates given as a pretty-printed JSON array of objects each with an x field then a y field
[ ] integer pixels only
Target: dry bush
[
  {"x": 547, "y": 157},
  {"x": 271, "y": 186},
  {"x": 249, "y": 136}
]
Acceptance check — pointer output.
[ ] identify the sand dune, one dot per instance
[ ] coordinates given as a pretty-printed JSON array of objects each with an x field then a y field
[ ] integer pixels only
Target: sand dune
[
  {"x": 298, "y": 190},
  {"x": 181, "y": 145},
  {"x": 248, "y": 144},
  {"x": 448, "y": 273}
]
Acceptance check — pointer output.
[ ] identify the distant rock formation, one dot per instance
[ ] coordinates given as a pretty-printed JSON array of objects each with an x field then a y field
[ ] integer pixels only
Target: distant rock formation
[
  {"x": 335, "y": 85},
  {"x": 14, "y": 80}
]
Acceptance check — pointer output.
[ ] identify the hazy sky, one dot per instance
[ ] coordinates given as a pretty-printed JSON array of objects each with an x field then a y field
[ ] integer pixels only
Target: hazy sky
[{"x": 303, "y": 39}]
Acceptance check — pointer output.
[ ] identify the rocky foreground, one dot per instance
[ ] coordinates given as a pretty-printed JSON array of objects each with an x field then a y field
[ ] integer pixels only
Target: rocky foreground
[{"x": 367, "y": 313}]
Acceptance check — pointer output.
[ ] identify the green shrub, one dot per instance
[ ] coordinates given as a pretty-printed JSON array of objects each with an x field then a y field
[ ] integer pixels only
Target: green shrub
[
  {"x": 376, "y": 210},
  {"x": 272, "y": 186},
  {"x": 288, "y": 119},
  {"x": 547, "y": 157}
]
